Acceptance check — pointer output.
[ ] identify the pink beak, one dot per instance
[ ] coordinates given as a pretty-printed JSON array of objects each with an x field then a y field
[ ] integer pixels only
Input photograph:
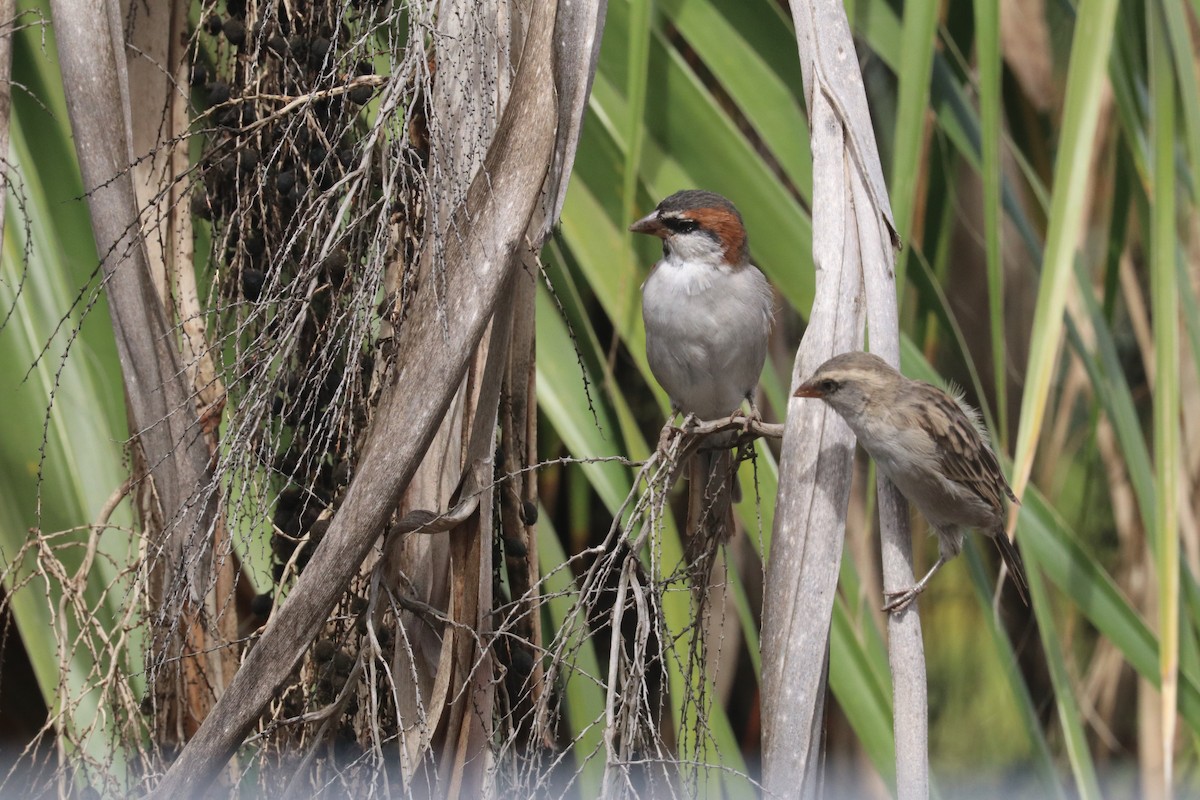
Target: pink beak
[
  {"x": 650, "y": 224},
  {"x": 809, "y": 390}
]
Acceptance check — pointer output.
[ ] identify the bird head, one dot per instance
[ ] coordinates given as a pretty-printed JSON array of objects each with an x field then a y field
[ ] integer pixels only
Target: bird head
[
  {"x": 701, "y": 226},
  {"x": 851, "y": 382}
]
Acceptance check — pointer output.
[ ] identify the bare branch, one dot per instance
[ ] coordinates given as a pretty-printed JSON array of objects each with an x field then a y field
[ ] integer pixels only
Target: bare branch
[{"x": 750, "y": 427}]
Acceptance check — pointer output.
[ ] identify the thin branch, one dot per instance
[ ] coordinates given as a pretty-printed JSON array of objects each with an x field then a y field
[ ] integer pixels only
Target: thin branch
[{"x": 98, "y": 527}]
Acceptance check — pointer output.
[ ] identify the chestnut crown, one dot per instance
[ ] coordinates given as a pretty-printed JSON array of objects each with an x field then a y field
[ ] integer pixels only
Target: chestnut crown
[{"x": 695, "y": 212}]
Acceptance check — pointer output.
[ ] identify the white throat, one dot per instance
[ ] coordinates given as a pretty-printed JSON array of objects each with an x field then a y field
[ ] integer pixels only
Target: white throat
[
  {"x": 691, "y": 264},
  {"x": 695, "y": 248}
]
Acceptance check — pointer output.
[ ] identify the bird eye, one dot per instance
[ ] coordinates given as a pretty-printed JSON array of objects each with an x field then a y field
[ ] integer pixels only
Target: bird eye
[
  {"x": 681, "y": 224},
  {"x": 829, "y": 386}
]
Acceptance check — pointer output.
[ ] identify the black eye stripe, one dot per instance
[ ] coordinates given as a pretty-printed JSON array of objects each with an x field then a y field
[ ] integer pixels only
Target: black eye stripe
[{"x": 680, "y": 224}]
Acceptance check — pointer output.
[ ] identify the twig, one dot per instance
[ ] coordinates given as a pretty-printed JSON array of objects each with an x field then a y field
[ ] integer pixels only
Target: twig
[
  {"x": 750, "y": 427},
  {"x": 292, "y": 102},
  {"x": 98, "y": 527}
]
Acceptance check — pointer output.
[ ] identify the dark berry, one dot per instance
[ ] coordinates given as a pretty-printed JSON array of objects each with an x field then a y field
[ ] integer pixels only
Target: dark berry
[
  {"x": 235, "y": 32},
  {"x": 514, "y": 548},
  {"x": 261, "y": 605},
  {"x": 218, "y": 92},
  {"x": 225, "y": 167},
  {"x": 253, "y": 281},
  {"x": 285, "y": 182},
  {"x": 200, "y": 206},
  {"x": 254, "y": 243},
  {"x": 247, "y": 159},
  {"x": 360, "y": 95},
  {"x": 335, "y": 267},
  {"x": 281, "y": 545},
  {"x": 298, "y": 191},
  {"x": 343, "y": 662},
  {"x": 317, "y": 50},
  {"x": 213, "y": 25},
  {"x": 521, "y": 661},
  {"x": 198, "y": 76},
  {"x": 323, "y": 651}
]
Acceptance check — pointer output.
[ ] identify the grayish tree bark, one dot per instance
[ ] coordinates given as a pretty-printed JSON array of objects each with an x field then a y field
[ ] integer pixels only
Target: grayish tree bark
[
  {"x": 497, "y": 223},
  {"x": 852, "y": 250},
  {"x": 162, "y": 415},
  {"x": 477, "y": 50}
]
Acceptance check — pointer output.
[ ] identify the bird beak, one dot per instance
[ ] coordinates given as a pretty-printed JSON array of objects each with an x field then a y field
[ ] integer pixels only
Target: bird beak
[
  {"x": 650, "y": 224},
  {"x": 809, "y": 390}
]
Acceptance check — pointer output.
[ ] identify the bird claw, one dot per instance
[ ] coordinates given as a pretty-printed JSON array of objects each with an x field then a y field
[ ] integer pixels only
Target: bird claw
[
  {"x": 668, "y": 433},
  {"x": 898, "y": 601},
  {"x": 747, "y": 419},
  {"x": 688, "y": 425}
]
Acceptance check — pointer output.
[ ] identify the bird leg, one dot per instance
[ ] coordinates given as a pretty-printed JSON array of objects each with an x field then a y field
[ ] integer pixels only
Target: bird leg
[
  {"x": 754, "y": 413},
  {"x": 898, "y": 601},
  {"x": 748, "y": 419},
  {"x": 677, "y": 445}
]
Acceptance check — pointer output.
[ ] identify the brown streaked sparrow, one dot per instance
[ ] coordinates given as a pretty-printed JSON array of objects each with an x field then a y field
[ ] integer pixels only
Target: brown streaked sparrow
[
  {"x": 708, "y": 312},
  {"x": 931, "y": 445}
]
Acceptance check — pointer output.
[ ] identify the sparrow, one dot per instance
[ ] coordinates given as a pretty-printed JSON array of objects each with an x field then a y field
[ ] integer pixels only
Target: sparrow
[
  {"x": 707, "y": 312},
  {"x": 932, "y": 446}
]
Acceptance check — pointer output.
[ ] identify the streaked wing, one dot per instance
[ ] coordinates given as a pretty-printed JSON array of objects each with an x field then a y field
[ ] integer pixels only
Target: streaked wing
[{"x": 964, "y": 455}]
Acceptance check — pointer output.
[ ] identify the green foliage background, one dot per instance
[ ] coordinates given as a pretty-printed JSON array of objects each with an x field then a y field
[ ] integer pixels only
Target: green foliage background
[{"x": 1017, "y": 221}]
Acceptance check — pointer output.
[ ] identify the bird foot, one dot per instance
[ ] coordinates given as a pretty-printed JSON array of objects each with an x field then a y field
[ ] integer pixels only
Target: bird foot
[
  {"x": 898, "y": 601},
  {"x": 747, "y": 419},
  {"x": 670, "y": 431}
]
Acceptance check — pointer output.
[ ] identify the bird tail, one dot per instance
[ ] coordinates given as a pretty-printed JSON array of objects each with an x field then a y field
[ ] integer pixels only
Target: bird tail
[
  {"x": 712, "y": 490},
  {"x": 1012, "y": 559}
]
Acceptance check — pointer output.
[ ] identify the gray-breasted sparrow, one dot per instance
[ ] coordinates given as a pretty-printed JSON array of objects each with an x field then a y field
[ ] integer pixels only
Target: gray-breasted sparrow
[
  {"x": 931, "y": 445},
  {"x": 707, "y": 311}
]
